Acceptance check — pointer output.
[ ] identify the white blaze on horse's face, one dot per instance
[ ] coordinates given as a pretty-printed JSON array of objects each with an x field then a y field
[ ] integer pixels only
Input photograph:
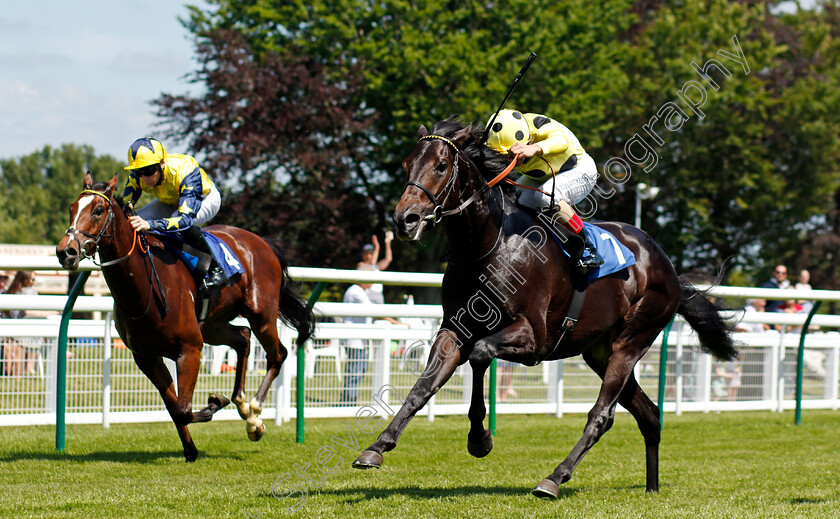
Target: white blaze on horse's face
[{"x": 83, "y": 202}]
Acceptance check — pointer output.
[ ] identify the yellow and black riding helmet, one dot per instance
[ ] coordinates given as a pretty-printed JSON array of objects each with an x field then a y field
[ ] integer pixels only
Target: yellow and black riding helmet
[
  {"x": 145, "y": 152},
  {"x": 509, "y": 127}
]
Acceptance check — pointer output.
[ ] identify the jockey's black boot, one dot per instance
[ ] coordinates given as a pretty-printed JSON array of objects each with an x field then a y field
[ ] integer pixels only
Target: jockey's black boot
[
  {"x": 589, "y": 257},
  {"x": 208, "y": 273},
  {"x": 583, "y": 254}
]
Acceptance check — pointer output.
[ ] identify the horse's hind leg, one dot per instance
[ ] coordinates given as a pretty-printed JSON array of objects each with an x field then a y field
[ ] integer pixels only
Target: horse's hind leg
[
  {"x": 238, "y": 338},
  {"x": 615, "y": 374},
  {"x": 156, "y": 371},
  {"x": 646, "y": 414},
  {"x": 275, "y": 355}
]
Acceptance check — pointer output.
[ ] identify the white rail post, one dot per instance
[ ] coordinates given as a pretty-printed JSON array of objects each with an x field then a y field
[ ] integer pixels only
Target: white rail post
[
  {"x": 831, "y": 373},
  {"x": 559, "y": 389},
  {"x": 678, "y": 373},
  {"x": 106, "y": 373},
  {"x": 704, "y": 373},
  {"x": 780, "y": 381}
]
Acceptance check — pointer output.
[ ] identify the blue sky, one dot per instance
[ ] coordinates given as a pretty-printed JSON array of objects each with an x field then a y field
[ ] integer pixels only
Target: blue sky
[{"x": 83, "y": 72}]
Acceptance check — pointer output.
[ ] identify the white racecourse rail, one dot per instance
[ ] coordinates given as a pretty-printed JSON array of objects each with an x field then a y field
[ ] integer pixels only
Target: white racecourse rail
[{"x": 104, "y": 386}]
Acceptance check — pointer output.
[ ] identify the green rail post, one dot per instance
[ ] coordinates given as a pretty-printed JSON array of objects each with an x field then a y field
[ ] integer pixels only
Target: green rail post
[
  {"x": 493, "y": 397},
  {"x": 301, "y": 367},
  {"x": 800, "y": 360},
  {"x": 663, "y": 371},
  {"x": 61, "y": 366}
]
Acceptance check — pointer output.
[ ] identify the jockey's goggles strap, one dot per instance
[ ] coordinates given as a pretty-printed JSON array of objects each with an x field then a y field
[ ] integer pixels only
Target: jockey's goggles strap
[{"x": 440, "y": 138}]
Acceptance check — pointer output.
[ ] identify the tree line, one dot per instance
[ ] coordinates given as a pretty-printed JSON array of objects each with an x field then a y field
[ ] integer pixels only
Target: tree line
[{"x": 308, "y": 108}]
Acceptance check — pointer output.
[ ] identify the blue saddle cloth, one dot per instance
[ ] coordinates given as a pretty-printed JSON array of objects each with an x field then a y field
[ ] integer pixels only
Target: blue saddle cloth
[
  {"x": 616, "y": 256},
  {"x": 221, "y": 253}
]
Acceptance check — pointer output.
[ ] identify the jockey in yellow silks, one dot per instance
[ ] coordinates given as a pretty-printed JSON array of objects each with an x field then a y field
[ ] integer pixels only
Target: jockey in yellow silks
[
  {"x": 185, "y": 198},
  {"x": 550, "y": 159}
]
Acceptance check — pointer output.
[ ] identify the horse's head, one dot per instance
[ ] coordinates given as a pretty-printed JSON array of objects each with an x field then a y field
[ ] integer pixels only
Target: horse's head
[
  {"x": 431, "y": 180},
  {"x": 90, "y": 215}
]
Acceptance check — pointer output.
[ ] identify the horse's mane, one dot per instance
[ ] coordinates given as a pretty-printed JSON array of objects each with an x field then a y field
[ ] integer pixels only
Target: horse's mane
[
  {"x": 128, "y": 210},
  {"x": 489, "y": 161}
]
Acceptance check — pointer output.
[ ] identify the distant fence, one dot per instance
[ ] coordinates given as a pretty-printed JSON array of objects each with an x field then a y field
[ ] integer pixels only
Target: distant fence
[{"x": 104, "y": 386}]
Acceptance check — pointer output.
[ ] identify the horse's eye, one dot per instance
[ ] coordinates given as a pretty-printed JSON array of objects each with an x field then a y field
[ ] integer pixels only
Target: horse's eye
[
  {"x": 442, "y": 167},
  {"x": 98, "y": 211}
]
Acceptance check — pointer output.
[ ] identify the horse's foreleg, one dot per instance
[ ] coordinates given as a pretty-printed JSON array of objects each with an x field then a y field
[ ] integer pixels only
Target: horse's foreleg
[
  {"x": 188, "y": 365},
  {"x": 156, "y": 371},
  {"x": 518, "y": 336},
  {"x": 444, "y": 358}
]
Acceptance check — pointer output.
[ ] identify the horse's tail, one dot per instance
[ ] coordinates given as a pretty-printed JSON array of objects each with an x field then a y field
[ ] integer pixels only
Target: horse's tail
[
  {"x": 293, "y": 309},
  {"x": 704, "y": 317}
]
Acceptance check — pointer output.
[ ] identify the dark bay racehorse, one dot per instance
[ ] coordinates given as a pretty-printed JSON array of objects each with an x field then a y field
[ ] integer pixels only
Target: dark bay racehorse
[
  {"x": 141, "y": 280},
  {"x": 507, "y": 291}
]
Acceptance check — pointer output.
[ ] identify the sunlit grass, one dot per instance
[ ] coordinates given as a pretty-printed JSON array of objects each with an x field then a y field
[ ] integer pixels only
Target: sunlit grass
[{"x": 752, "y": 464}]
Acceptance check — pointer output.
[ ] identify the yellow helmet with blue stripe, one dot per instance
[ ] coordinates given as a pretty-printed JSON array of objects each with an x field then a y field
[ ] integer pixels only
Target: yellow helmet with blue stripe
[
  {"x": 509, "y": 127},
  {"x": 145, "y": 152}
]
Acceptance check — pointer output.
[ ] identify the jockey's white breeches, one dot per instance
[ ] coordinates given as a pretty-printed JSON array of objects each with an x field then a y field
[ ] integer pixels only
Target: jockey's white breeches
[
  {"x": 209, "y": 208},
  {"x": 571, "y": 186}
]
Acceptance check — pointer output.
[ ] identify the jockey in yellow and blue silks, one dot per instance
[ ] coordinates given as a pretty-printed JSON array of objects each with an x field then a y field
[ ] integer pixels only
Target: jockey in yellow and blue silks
[
  {"x": 185, "y": 198},
  {"x": 550, "y": 159}
]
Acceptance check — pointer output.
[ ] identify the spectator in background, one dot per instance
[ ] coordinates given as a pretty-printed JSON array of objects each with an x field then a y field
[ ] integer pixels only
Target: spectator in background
[
  {"x": 777, "y": 280},
  {"x": 4, "y": 282},
  {"x": 18, "y": 347},
  {"x": 804, "y": 283},
  {"x": 356, "y": 349},
  {"x": 21, "y": 284},
  {"x": 370, "y": 256},
  {"x": 753, "y": 306}
]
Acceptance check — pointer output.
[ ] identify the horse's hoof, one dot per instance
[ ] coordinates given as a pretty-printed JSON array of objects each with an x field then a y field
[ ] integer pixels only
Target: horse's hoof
[
  {"x": 190, "y": 455},
  {"x": 482, "y": 447},
  {"x": 368, "y": 460},
  {"x": 546, "y": 488},
  {"x": 257, "y": 433},
  {"x": 218, "y": 401}
]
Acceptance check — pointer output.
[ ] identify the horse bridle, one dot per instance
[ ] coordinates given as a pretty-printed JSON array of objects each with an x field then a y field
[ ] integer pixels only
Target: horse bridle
[
  {"x": 438, "y": 213},
  {"x": 95, "y": 239}
]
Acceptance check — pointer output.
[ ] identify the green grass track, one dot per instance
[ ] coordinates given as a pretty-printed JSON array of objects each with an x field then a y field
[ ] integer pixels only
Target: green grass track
[{"x": 735, "y": 464}]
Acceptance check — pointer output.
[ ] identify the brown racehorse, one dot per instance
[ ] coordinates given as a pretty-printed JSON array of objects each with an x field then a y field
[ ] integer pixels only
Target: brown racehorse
[
  {"x": 155, "y": 309},
  {"x": 507, "y": 290}
]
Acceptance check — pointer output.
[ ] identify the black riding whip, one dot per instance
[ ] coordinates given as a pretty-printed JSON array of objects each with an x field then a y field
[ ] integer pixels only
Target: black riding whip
[{"x": 522, "y": 71}]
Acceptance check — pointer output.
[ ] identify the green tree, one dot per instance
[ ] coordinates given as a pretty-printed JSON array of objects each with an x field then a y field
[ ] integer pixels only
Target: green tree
[
  {"x": 757, "y": 161},
  {"x": 741, "y": 182},
  {"x": 409, "y": 63},
  {"x": 37, "y": 189}
]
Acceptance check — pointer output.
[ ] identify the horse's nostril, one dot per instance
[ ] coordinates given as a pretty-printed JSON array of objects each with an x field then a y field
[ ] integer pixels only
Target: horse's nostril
[{"x": 412, "y": 219}]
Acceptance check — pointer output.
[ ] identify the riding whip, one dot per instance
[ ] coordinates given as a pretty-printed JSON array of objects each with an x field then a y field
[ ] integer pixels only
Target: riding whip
[{"x": 516, "y": 80}]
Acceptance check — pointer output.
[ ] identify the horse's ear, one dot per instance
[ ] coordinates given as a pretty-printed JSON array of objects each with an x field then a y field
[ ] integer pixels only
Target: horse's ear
[
  {"x": 461, "y": 136},
  {"x": 111, "y": 185},
  {"x": 422, "y": 132},
  {"x": 88, "y": 181}
]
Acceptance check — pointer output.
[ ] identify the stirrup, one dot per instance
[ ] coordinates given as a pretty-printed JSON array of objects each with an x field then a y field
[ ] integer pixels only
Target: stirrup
[
  {"x": 214, "y": 278},
  {"x": 590, "y": 259}
]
